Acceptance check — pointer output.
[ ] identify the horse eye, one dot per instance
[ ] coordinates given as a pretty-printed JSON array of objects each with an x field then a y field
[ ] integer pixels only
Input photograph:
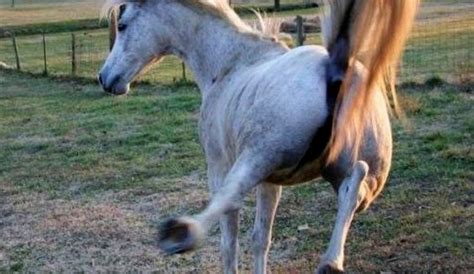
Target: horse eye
[
  {"x": 122, "y": 10},
  {"x": 121, "y": 27}
]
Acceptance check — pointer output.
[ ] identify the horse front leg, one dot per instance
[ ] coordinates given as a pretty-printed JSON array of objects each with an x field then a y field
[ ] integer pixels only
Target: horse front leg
[
  {"x": 178, "y": 235},
  {"x": 351, "y": 193},
  {"x": 229, "y": 222},
  {"x": 268, "y": 196}
]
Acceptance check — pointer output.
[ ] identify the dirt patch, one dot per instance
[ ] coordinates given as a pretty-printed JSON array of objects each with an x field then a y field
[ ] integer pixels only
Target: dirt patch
[
  {"x": 116, "y": 231},
  {"x": 110, "y": 232}
]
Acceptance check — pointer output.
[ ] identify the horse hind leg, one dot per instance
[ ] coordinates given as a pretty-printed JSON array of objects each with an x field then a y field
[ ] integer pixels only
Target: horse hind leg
[
  {"x": 350, "y": 195},
  {"x": 268, "y": 197}
]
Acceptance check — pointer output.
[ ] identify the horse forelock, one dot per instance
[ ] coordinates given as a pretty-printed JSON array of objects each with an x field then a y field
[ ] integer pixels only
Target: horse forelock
[{"x": 111, "y": 5}]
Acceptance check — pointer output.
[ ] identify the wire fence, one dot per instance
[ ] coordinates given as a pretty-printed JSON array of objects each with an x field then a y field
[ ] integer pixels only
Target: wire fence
[
  {"x": 78, "y": 54},
  {"x": 441, "y": 46}
]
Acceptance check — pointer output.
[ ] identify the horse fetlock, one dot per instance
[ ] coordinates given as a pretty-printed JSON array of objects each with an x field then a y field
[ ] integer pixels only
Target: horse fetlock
[
  {"x": 330, "y": 268},
  {"x": 179, "y": 235}
]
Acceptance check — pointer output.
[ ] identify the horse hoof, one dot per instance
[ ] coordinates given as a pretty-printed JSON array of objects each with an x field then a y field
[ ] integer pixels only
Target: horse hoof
[
  {"x": 179, "y": 235},
  {"x": 328, "y": 269}
]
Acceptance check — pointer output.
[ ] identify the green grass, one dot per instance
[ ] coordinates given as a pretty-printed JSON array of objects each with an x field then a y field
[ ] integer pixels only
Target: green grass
[
  {"x": 82, "y": 171},
  {"x": 81, "y": 138}
]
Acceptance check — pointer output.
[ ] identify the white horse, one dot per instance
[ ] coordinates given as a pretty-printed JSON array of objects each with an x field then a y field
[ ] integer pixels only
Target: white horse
[{"x": 272, "y": 116}]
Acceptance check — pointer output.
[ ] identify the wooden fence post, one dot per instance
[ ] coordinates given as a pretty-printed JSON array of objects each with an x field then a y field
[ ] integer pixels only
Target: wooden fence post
[
  {"x": 183, "y": 66},
  {"x": 73, "y": 54},
  {"x": 277, "y": 5},
  {"x": 45, "y": 56},
  {"x": 17, "y": 54},
  {"x": 301, "y": 36}
]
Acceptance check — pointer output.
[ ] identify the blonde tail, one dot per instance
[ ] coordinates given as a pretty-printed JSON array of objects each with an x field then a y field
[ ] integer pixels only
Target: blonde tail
[{"x": 372, "y": 32}]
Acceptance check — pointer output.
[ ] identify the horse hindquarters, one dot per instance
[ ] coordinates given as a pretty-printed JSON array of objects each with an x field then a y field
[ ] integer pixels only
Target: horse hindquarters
[
  {"x": 359, "y": 183},
  {"x": 351, "y": 192}
]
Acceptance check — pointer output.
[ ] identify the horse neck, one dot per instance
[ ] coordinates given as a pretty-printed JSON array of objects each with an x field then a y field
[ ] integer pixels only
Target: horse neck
[{"x": 215, "y": 49}]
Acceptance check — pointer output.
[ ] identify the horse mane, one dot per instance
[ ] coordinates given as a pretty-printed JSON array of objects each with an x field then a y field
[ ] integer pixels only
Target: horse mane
[
  {"x": 112, "y": 5},
  {"x": 217, "y": 8},
  {"x": 268, "y": 25}
]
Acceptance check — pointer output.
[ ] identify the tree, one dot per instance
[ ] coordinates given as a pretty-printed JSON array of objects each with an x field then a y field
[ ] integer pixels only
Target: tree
[{"x": 13, "y": 3}]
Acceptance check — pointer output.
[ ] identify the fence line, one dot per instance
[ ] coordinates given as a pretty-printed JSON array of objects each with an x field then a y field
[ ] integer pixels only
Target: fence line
[{"x": 444, "y": 53}]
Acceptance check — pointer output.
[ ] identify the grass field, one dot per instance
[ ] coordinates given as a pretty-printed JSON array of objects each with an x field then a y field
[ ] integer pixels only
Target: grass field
[
  {"x": 85, "y": 178},
  {"x": 48, "y": 11}
]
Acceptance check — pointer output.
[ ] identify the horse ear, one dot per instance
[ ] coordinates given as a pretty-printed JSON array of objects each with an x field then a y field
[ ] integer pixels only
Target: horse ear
[{"x": 112, "y": 28}]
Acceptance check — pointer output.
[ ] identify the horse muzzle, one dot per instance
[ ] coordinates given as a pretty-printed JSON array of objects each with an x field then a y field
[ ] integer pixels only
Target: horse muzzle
[{"x": 113, "y": 84}]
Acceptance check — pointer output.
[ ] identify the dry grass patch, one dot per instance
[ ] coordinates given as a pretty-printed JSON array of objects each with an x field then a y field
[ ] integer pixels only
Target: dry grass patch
[
  {"x": 47, "y": 13},
  {"x": 112, "y": 231}
]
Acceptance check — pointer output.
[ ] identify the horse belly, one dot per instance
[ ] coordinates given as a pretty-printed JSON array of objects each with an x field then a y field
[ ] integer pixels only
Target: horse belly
[{"x": 306, "y": 173}]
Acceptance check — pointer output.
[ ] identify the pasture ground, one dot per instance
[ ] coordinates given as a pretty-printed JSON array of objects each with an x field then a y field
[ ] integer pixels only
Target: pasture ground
[
  {"x": 49, "y": 12},
  {"x": 85, "y": 178}
]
